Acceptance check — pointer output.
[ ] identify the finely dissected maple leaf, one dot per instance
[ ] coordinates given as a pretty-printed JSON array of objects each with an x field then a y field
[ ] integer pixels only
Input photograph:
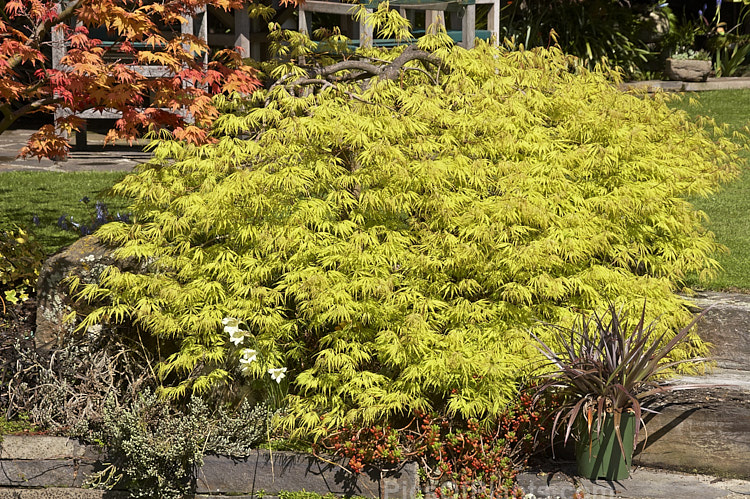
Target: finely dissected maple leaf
[
  {"x": 46, "y": 143},
  {"x": 103, "y": 75},
  {"x": 191, "y": 134},
  {"x": 14, "y": 7}
]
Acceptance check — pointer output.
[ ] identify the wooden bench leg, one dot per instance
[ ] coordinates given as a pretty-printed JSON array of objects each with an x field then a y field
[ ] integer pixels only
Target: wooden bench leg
[{"x": 81, "y": 137}]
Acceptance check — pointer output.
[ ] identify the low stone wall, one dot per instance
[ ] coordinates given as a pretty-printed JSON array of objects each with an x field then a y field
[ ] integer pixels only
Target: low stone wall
[
  {"x": 41, "y": 467},
  {"x": 57, "y": 467},
  {"x": 699, "y": 431},
  {"x": 707, "y": 430}
]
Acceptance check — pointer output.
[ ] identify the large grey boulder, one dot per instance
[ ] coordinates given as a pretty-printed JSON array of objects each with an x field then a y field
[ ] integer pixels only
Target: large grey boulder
[
  {"x": 727, "y": 327},
  {"x": 688, "y": 69},
  {"x": 86, "y": 258}
]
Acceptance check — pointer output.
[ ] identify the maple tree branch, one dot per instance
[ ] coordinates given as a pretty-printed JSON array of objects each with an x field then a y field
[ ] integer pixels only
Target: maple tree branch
[
  {"x": 43, "y": 29},
  {"x": 412, "y": 53},
  {"x": 420, "y": 70},
  {"x": 362, "y": 66},
  {"x": 10, "y": 116},
  {"x": 64, "y": 15},
  {"x": 7, "y": 120},
  {"x": 363, "y": 70}
]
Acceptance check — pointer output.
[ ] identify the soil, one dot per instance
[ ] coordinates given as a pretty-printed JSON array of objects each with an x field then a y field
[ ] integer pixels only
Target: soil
[
  {"x": 17, "y": 322},
  {"x": 17, "y": 325}
]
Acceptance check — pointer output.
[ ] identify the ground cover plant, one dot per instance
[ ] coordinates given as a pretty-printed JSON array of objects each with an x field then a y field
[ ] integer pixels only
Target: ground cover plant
[
  {"x": 728, "y": 211},
  {"x": 378, "y": 235},
  {"x": 460, "y": 453}
]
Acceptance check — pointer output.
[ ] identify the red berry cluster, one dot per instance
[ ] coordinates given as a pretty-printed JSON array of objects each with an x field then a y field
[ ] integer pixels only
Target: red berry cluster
[{"x": 467, "y": 459}]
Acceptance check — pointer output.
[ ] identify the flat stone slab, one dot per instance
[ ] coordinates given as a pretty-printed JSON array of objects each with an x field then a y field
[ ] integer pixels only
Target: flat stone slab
[
  {"x": 44, "y": 473},
  {"x": 60, "y": 493},
  {"x": 726, "y": 83},
  {"x": 544, "y": 485},
  {"x": 41, "y": 447},
  {"x": 658, "y": 484},
  {"x": 643, "y": 483}
]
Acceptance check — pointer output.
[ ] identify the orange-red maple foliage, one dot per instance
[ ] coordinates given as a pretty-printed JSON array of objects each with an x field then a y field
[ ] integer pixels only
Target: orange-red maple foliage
[{"x": 105, "y": 76}]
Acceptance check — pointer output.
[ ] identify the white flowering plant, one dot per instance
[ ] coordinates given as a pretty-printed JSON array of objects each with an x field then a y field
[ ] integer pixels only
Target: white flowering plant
[{"x": 251, "y": 363}]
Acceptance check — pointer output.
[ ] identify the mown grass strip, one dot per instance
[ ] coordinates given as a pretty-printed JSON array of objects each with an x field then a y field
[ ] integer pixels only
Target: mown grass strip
[
  {"x": 48, "y": 195},
  {"x": 729, "y": 210}
]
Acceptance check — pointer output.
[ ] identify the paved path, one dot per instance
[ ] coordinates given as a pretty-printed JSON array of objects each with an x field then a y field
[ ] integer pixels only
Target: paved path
[
  {"x": 93, "y": 158},
  {"x": 644, "y": 483}
]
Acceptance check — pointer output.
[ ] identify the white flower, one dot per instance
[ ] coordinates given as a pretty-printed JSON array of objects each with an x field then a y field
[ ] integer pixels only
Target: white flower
[
  {"x": 236, "y": 336},
  {"x": 248, "y": 357},
  {"x": 232, "y": 326},
  {"x": 277, "y": 373}
]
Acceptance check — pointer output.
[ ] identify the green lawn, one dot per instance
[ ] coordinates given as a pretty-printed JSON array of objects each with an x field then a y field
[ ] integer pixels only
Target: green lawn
[
  {"x": 49, "y": 195},
  {"x": 729, "y": 210}
]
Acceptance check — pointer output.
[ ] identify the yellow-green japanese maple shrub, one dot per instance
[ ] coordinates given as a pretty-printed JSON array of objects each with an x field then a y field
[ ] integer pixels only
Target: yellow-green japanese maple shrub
[{"x": 377, "y": 236}]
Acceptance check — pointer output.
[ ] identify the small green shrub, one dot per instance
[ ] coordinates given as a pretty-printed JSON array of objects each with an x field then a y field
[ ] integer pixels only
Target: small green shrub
[
  {"x": 237, "y": 433},
  {"x": 700, "y": 55},
  {"x": 21, "y": 258},
  {"x": 154, "y": 450},
  {"x": 388, "y": 242},
  {"x": 152, "y": 453}
]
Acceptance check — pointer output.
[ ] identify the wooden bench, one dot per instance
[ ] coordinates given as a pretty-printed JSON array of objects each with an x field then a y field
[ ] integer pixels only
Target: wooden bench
[
  {"x": 197, "y": 26},
  {"x": 435, "y": 12}
]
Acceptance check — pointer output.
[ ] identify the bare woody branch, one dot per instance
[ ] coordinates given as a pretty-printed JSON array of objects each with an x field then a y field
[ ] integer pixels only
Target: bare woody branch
[{"x": 361, "y": 70}]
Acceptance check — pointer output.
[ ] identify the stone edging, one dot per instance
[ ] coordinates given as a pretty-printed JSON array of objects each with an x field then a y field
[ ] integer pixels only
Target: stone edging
[
  {"x": 63, "y": 464},
  {"x": 724, "y": 83}
]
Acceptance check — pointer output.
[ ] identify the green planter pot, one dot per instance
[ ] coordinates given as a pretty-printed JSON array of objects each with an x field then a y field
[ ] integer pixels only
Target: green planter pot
[{"x": 603, "y": 457}]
